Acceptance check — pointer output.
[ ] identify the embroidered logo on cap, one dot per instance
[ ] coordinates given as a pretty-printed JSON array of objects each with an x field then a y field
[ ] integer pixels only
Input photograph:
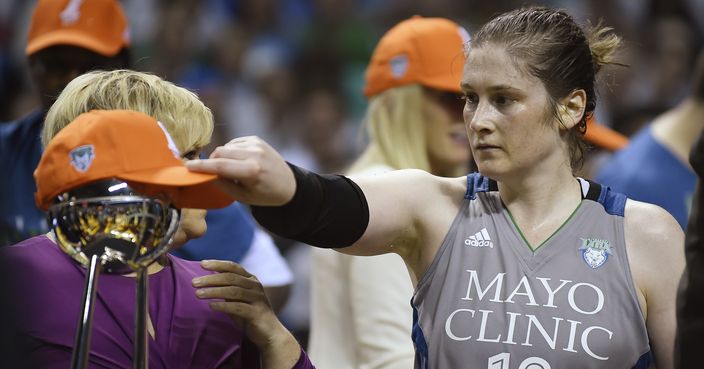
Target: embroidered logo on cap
[
  {"x": 82, "y": 157},
  {"x": 399, "y": 66}
]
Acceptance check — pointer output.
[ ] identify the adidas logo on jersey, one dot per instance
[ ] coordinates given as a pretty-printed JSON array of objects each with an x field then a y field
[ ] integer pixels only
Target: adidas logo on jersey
[{"x": 479, "y": 239}]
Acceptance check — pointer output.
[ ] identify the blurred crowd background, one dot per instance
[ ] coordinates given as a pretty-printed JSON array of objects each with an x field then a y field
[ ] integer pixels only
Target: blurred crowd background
[{"x": 292, "y": 71}]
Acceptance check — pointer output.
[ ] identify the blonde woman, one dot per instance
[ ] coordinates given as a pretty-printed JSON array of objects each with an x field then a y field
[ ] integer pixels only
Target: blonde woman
[{"x": 361, "y": 317}]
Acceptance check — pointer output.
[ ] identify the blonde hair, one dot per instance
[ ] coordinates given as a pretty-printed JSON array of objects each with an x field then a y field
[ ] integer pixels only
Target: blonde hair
[
  {"x": 187, "y": 119},
  {"x": 397, "y": 129}
]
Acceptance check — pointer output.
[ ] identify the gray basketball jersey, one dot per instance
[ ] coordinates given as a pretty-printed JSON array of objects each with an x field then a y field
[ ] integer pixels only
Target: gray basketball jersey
[{"x": 488, "y": 301}]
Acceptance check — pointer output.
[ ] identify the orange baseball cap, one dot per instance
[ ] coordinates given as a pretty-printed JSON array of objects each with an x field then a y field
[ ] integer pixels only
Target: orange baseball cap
[
  {"x": 96, "y": 25},
  {"x": 603, "y": 136},
  {"x": 127, "y": 145},
  {"x": 429, "y": 51}
]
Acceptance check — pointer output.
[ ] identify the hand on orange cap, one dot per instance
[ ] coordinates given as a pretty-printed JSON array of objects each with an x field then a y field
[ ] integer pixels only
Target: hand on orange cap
[{"x": 250, "y": 170}]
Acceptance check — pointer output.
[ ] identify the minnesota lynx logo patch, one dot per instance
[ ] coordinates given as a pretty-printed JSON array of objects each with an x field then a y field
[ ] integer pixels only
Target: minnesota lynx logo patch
[
  {"x": 595, "y": 252},
  {"x": 399, "y": 66},
  {"x": 82, "y": 157}
]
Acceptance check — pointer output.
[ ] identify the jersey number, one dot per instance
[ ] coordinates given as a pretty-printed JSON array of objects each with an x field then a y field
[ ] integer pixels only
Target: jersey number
[{"x": 501, "y": 361}]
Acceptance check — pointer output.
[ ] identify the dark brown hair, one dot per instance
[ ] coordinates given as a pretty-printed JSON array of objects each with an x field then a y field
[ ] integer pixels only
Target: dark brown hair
[{"x": 557, "y": 51}]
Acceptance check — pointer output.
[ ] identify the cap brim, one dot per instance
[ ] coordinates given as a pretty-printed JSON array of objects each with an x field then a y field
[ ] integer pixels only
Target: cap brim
[
  {"x": 186, "y": 189},
  {"x": 451, "y": 85},
  {"x": 72, "y": 38},
  {"x": 604, "y": 137}
]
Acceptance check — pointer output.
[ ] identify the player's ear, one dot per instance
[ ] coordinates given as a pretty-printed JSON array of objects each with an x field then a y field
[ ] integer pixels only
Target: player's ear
[{"x": 571, "y": 108}]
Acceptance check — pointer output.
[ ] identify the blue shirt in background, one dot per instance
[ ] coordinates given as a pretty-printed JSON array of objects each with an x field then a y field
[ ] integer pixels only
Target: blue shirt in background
[
  {"x": 647, "y": 171},
  {"x": 229, "y": 236},
  {"x": 20, "y": 151}
]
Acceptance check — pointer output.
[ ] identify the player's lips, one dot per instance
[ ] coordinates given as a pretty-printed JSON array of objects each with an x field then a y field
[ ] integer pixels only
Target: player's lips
[{"x": 485, "y": 147}]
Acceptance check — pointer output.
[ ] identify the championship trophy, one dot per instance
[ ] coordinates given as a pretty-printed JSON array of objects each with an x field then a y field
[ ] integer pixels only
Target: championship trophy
[
  {"x": 106, "y": 226},
  {"x": 112, "y": 182}
]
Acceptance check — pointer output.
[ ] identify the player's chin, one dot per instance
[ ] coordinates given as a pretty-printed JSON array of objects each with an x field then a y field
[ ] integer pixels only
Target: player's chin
[{"x": 489, "y": 168}]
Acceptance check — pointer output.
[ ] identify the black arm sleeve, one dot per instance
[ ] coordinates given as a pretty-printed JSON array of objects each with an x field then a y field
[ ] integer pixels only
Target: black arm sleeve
[{"x": 327, "y": 211}]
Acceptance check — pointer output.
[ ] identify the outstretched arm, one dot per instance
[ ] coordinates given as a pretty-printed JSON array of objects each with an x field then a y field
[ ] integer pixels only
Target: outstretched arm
[
  {"x": 239, "y": 294},
  {"x": 401, "y": 216}
]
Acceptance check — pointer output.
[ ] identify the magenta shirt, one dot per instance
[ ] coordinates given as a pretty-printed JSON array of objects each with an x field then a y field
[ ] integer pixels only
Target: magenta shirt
[{"x": 188, "y": 333}]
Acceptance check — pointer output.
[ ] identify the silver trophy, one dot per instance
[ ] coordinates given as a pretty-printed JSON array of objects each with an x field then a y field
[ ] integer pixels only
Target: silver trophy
[{"x": 107, "y": 226}]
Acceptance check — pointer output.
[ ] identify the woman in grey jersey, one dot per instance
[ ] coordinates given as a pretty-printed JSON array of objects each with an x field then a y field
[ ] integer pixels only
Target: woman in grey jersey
[{"x": 524, "y": 265}]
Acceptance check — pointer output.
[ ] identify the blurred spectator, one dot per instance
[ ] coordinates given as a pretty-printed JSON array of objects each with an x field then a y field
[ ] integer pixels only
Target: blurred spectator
[
  {"x": 63, "y": 42},
  {"x": 654, "y": 167},
  {"x": 360, "y": 312}
]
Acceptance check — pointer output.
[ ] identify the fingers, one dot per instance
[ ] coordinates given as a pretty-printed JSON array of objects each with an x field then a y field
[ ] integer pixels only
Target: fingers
[
  {"x": 251, "y": 171},
  {"x": 245, "y": 140},
  {"x": 242, "y": 148},
  {"x": 236, "y": 309},
  {"x": 225, "y": 167},
  {"x": 239, "y": 158},
  {"x": 226, "y": 279},
  {"x": 224, "y": 266},
  {"x": 228, "y": 274},
  {"x": 238, "y": 151},
  {"x": 229, "y": 294}
]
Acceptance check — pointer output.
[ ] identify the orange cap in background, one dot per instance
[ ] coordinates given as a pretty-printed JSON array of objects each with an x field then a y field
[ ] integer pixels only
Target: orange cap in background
[
  {"x": 127, "y": 145},
  {"x": 603, "y": 136},
  {"x": 96, "y": 25},
  {"x": 428, "y": 51}
]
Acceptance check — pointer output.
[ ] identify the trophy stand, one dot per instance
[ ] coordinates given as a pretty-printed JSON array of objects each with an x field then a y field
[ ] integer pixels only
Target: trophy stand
[
  {"x": 120, "y": 233},
  {"x": 79, "y": 357},
  {"x": 141, "y": 345},
  {"x": 81, "y": 348}
]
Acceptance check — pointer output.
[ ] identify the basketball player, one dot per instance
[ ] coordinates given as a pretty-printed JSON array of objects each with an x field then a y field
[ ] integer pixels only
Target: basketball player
[{"x": 523, "y": 265}]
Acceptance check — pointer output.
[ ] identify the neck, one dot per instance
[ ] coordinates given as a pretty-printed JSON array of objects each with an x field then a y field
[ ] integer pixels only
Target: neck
[
  {"x": 541, "y": 202},
  {"x": 541, "y": 194},
  {"x": 678, "y": 128}
]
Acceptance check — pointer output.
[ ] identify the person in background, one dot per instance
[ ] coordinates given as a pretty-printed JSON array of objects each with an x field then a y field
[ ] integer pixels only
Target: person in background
[
  {"x": 523, "y": 264},
  {"x": 653, "y": 167},
  {"x": 360, "y": 317},
  {"x": 66, "y": 39}
]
